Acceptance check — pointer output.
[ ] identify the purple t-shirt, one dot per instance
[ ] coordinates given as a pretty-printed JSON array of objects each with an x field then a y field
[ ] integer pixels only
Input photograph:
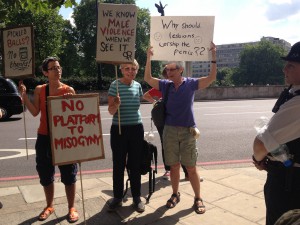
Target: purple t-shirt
[{"x": 179, "y": 108}]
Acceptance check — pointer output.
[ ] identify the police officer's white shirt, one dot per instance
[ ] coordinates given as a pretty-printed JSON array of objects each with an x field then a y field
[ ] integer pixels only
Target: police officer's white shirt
[{"x": 284, "y": 126}]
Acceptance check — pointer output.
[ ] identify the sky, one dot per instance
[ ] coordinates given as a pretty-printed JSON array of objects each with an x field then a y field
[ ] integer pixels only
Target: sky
[{"x": 236, "y": 21}]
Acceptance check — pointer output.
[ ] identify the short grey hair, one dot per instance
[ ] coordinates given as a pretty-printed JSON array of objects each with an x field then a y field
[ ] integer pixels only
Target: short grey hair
[{"x": 179, "y": 64}]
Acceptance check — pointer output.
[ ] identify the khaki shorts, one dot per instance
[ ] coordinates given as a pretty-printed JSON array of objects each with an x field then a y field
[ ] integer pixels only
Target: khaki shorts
[{"x": 179, "y": 146}]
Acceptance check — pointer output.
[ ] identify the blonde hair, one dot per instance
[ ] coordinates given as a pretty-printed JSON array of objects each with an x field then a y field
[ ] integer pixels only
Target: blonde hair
[{"x": 135, "y": 63}]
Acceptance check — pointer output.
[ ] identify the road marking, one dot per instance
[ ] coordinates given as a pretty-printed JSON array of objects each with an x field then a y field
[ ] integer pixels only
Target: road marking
[
  {"x": 34, "y": 138},
  {"x": 21, "y": 153},
  {"x": 238, "y": 113}
]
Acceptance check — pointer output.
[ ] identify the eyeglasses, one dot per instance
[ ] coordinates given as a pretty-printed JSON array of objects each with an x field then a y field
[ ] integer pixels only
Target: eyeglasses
[
  {"x": 127, "y": 69},
  {"x": 171, "y": 69},
  {"x": 55, "y": 68}
]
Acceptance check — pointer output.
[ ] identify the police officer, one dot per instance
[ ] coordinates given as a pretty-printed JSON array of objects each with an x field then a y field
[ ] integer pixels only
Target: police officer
[{"x": 282, "y": 187}]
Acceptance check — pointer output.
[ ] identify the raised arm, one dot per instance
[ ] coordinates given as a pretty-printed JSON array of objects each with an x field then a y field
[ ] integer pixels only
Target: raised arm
[
  {"x": 152, "y": 81},
  {"x": 204, "y": 82}
]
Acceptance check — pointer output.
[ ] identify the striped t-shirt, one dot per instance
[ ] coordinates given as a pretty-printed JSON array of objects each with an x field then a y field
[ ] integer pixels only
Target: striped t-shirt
[{"x": 130, "y": 102}]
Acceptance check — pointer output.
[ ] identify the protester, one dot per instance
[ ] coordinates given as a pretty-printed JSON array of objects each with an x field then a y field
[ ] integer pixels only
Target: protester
[
  {"x": 178, "y": 141},
  {"x": 282, "y": 186},
  {"x": 53, "y": 71},
  {"x": 127, "y": 142},
  {"x": 152, "y": 96}
]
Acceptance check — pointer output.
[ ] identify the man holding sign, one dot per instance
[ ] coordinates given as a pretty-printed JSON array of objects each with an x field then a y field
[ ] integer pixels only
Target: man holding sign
[
  {"x": 53, "y": 71},
  {"x": 179, "y": 136}
]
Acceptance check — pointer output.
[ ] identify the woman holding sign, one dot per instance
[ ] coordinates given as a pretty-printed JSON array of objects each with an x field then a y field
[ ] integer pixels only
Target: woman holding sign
[
  {"x": 152, "y": 96},
  {"x": 53, "y": 71},
  {"x": 124, "y": 95},
  {"x": 179, "y": 136}
]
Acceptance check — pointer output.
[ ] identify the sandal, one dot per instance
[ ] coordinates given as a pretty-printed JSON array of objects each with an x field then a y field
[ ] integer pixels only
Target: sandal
[
  {"x": 72, "y": 215},
  {"x": 199, "y": 209},
  {"x": 173, "y": 201},
  {"x": 46, "y": 213}
]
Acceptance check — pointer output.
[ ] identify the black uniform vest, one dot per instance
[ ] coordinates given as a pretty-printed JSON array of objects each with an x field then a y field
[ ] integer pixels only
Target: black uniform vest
[{"x": 294, "y": 145}]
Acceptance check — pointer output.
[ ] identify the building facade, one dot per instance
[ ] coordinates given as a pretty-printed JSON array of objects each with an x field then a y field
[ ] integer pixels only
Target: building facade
[{"x": 228, "y": 56}]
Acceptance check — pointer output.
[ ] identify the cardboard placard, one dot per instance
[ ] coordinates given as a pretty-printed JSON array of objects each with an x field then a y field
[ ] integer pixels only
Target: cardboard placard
[
  {"x": 181, "y": 38},
  {"x": 18, "y": 52},
  {"x": 116, "y": 32},
  {"x": 75, "y": 128}
]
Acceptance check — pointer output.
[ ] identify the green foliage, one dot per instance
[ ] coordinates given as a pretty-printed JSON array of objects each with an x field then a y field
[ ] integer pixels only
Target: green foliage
[
  {"x": 48, "y": 31},
  {"x": 69, "y": 57},
  {"x": 260, "y": 65},
  {"x": 85, "y": 17},
  {"x": 86, "y": 83},
  {"x": 75, "y": 46},
  {"x": 224, "y": 77},
  {"x": 7, "y": 6}
]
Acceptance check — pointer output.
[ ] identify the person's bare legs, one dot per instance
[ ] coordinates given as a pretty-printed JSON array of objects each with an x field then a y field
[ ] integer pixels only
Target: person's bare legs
[
  {"x": 70, "y": 193},
  {"x": 195, "y": 182},
  {"x": 49, "y": 194},
  {"x": 175, "y": 177}
]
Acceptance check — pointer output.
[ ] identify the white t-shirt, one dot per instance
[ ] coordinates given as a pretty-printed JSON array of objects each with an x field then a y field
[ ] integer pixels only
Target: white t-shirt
[{"x": 284, "y": 126}]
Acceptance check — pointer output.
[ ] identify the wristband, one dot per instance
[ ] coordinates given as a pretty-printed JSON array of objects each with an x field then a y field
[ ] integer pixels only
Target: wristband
[{"x": 213, "y": 61}]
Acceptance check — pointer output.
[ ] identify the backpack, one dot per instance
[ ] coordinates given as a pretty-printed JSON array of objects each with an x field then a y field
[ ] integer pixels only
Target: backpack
[
  {"x": 148, "y": 157},
  {"x": 159, "y": 108}
]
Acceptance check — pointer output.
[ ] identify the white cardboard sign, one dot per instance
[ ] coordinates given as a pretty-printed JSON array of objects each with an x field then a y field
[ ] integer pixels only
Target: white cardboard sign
[
  {"x": 75, "y": 129},
  {"x": 181, "y": 38},
  {"x": 18, "y": 52},
  {"x": 116, "y": 33}
]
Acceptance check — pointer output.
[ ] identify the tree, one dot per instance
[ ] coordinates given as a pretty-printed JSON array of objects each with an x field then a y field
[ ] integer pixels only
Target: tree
[
  {"x": 260, "y": 65},
  {"x": 7, "y": 6},
  {"x": 224, "y": 77},
  {"x": 69, "y": 57},
  {"x": 85, "y": 17},
  {"x": 48, "y": 27}
]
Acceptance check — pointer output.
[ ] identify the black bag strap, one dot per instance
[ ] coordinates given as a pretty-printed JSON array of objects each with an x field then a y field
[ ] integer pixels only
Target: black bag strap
[
  {"x": 151, "y": 185},
  {"x": 46, "y": 102},
  {"x": 284, "y": 97}
]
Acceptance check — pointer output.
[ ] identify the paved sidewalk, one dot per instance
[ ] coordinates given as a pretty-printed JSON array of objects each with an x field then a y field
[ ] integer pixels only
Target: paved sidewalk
[{"x": 233, "y": 196}]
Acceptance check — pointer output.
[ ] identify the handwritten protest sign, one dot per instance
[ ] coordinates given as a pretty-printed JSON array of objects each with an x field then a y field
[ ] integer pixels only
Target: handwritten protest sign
[
  {"x": 116, "y": 32},
  {"x": 181, "y": 38},
  {"x": 18, "y": 52},
  {"x": 75, "y": 129}
]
